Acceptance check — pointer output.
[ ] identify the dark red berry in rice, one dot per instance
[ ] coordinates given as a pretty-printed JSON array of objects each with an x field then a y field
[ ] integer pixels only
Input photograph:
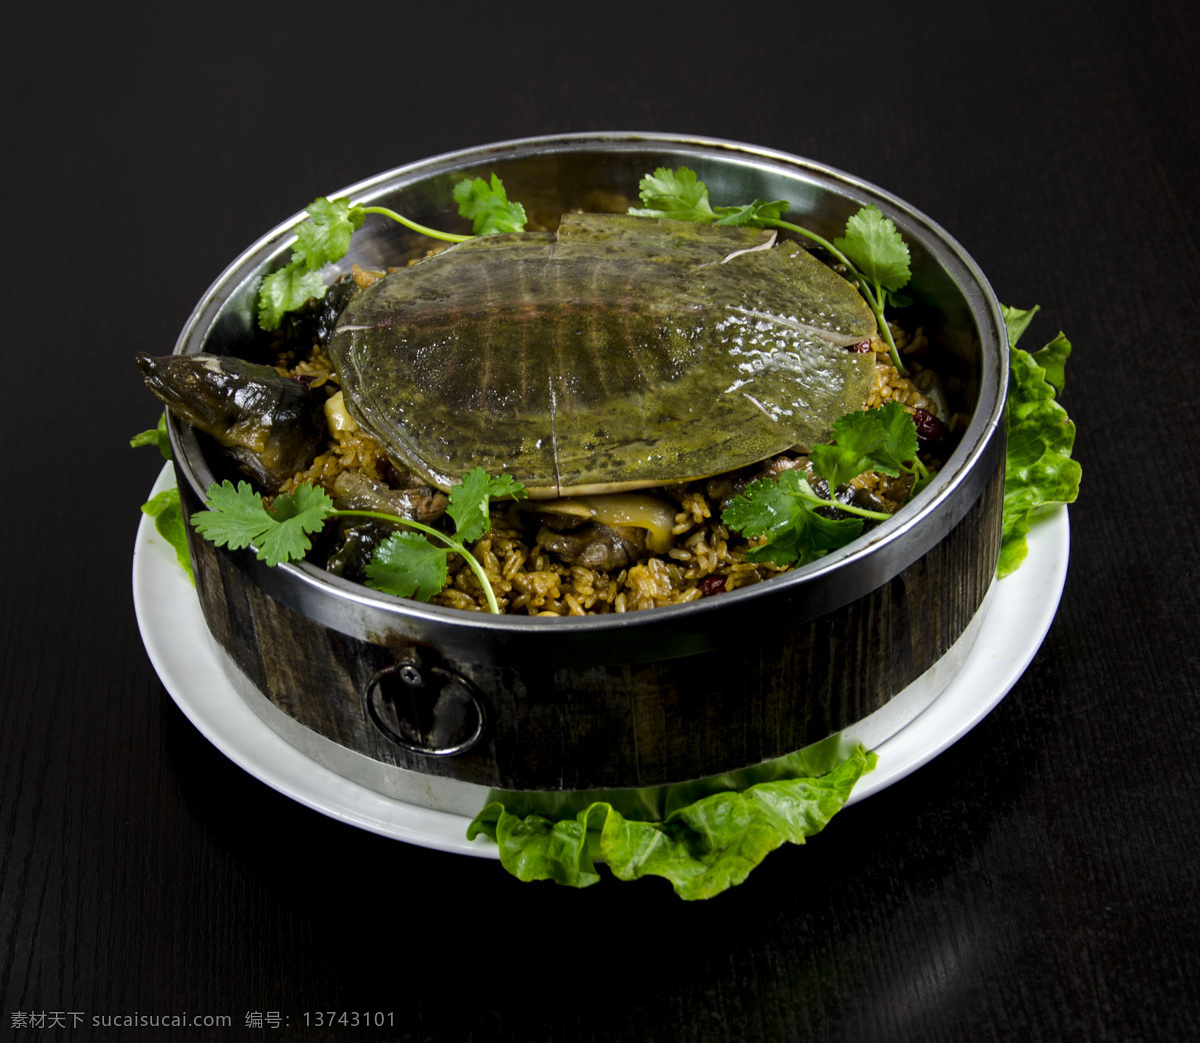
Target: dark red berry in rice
[
  {"x": 712, "y": 585},
  {"x": 931, "y": 432}
]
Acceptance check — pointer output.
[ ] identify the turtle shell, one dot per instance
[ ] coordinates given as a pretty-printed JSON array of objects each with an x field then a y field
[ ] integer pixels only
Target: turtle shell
[{"x": 620, "y": 353}]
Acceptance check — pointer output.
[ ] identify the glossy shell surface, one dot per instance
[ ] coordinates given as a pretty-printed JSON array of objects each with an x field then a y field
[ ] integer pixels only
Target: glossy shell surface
[{"x": 619, "y": 353}]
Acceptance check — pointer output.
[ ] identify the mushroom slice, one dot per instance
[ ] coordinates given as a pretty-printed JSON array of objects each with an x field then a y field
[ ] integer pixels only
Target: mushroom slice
[{"x": 617, "y": 510}]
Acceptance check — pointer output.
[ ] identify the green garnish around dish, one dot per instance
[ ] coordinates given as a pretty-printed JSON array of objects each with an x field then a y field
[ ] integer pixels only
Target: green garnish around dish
[
  {"x": 709, "y": 843},
  {"x": 238, "y": 517},
  {"x": 1039, "y": 474},
  {"x": 470, "y": 501},
  {"x": 164, "y": 507},
  {"x": 785, "y": 510},
  {"x": 155, "y": 436},
  {"x": 702, "y": 848},
  {"x": 406, "y": 564},
  {"x": 875, "y": 247},
  {"x": 874, "y": 254},
  {"x": 287, "y": 289},
  {"x": 487, "y": 206},
  {"x": 167, "y": 513},
  {"x": 883, "y": 440},
  {"x": 325, "y": 237}
]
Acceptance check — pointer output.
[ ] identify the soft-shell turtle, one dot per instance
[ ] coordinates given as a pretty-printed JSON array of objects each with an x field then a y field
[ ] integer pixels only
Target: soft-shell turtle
[{"x": 620, "y": 353}]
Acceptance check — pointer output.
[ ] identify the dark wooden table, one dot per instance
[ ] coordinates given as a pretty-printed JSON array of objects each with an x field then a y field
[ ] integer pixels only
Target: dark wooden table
[{"x": 1037, "y": 881}]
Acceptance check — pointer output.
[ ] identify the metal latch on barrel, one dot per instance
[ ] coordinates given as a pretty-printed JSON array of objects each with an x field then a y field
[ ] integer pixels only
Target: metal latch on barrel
[{"x": 425, "y": 707}]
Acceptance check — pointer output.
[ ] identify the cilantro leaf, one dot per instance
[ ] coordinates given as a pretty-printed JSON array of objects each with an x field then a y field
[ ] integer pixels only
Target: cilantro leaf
[
  {"x": 326, "y": 237},
  {"x": 286, "y": 289},
  {"x": 675, "y": 194},
  {"x": 680, "y": 196},
  {"x": 296, "y": 515},
  {"x": 469, "y": 501},
  {"x": 164, "y": 508},
  {"x": 235, "y": 517},
  {"x": 783, "y": 512},
  {"x": 156, "y": 436},
  {"x": 873, "y": 244},
  {"x": 487, "y": 206},
  {"x": 407, "y": 565},
  {"x": 882, "y": 439},
  {"x": 238, "y": 517},
  {"x": 758, "y": 213},
  {"x": 787, "y": 511}
]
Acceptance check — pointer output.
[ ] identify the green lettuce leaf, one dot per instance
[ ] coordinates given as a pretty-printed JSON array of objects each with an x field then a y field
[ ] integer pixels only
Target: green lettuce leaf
[
  {"x": 164, "y": 508},
  {"x": 1039, "y": 473},
  {"x": 156, "y": 436},
  {"x": 1017, "y": 321},
  {"x": 702, "y": 849},
  {"x": 1053, "y": 359}
]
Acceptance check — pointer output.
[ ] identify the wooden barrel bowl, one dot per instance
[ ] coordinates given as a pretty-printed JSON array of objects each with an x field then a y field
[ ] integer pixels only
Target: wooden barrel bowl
[{"x": 640, "y": 699}]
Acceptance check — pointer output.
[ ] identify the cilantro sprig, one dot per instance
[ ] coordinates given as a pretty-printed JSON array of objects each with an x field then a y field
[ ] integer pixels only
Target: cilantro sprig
[
  {"x": 406, "y": 564},
  {"x": 238, "y": 517},
  {"x": 875, "y": 256},
  {"x": 785, "y": 510},
  {"x": 488, "y": 207},
  {"x": 325, "y": 237},
  {"x": 883, "y": 440}
]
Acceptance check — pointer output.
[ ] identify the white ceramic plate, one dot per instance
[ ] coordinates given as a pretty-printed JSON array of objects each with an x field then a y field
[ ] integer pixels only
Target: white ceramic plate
[{"x": 188, "y": 662}]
